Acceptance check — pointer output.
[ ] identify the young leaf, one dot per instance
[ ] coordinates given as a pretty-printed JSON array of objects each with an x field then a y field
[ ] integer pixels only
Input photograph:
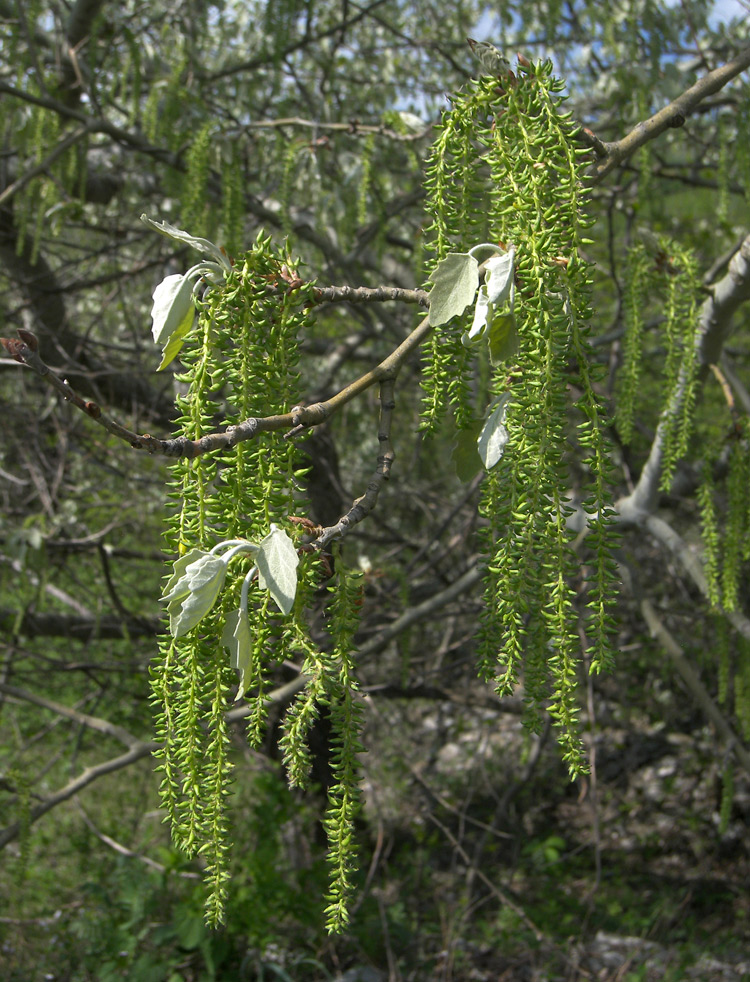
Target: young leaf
[
  {"x": 455, "y": 281},
  {"x": 494, "y": 436},
  {"x": 503, "y": 337},
  {"x": 482, "y": 314},
  {"x": 492, "y": 60},
  {"x": 499, "y": 276},
  {"x": 191, "y": 591},
  {"x": 277, "y": 562},
  {"x": 173, "y": 306},
  {"x": 236, "y": 639},
  {"x": 175, "y": 342},
  {"x": 202, "y": 245}
]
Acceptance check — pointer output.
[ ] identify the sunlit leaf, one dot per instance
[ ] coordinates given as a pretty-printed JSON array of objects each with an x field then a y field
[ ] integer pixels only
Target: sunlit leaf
[
  {"x": 499, "y": 276},
  {"x": 277, "y": 562},
  {"x": 191, "y": 591},
  {"x": 237, "y": 640},
  {"x": 455, "y": 280},
  {"x": 503, "y": 337},
  {"x": 175, "y": 342},
  {"x": 492, "y": 60},
  {"x": 178, "y": 235},
  {"x": 482, "y": 314},
  {"x": 173, "y": 306},
  {"x": 494, "y": 435}
]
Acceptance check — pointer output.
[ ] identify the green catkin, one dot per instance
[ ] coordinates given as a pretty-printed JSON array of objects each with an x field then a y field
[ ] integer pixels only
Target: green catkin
[
  {"x": 735, "y": 526},
  {"x": 232, "y": 199},
  {"x": 682, "y": 358},
  {"x": 290, "y": 164},
  {"x": 636, "y": 288},
  {"x": 742, "y": 688},
  {"x": 710, "y": 533},
  {"x": 363, "y": 188},
  {"x": 742, "y": 144},
  {"x": 529, "y": 627},
  {"x": 645, "y": 202},
  {"x": 346, "y": 726},
  {"x": 195, "y": 195},
  {"x": 240, "y": 362}
]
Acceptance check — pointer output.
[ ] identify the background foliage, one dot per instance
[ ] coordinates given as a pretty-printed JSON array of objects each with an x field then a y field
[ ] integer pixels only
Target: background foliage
[{"x": 315, "y": 121}]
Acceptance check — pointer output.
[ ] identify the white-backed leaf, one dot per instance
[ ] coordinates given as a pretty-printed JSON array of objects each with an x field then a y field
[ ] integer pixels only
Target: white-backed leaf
[
  {"x": 237, "y": 640},
  {"x": 192, "y": 589},
  {"x": 455, "y": 280},
  {"x": 277, "y": 562},
  {"x": 173, "y": 306},
  {"x": 482, "y": 316},
  {"x": 178, "y": 573},
  {"x": 494, "y": 435},
  {"x": 178, "y": 235},
  {"x": 499, "y": 276},
  {"x": 489, "y": 57}
]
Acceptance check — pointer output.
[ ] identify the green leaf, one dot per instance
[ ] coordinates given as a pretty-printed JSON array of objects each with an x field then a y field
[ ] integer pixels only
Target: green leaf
[
  {"x": 176, "y": 340},
  {"x": 173, "y": 306},
  {"x": 465, "y": 455},
  {"x": 497, "y": 288},
  {"x": 191, "y": 591},
  {"x": 455, "y": 280},
  {"x": 277, "y": 562},
  {"x": 494, "y": 435},
  {"x": 237, "y": 640},
  {"x": 503, "y": 337}
]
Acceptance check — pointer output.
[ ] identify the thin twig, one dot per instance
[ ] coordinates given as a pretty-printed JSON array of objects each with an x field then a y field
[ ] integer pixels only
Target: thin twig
[
  {"x": 137, "y": 748},
  {"x": 498, "y": 893},
  {"x": 122, "y": 850},
  {"x": 41, "y": 167},
  {"x": 363, "y": 505},
  {"x": 354, "y": 128}
]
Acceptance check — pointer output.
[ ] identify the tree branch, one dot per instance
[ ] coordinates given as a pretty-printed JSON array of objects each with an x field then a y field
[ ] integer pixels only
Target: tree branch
[
  {"x": 690, "y": 562},
  {"x": 671, "y": 116},
  {"x": 365, "y": 294},
  {"x": 137, "y": 748},
  {"x": 274, "y": 57},
  {"x": 25, "y": 350},
  {"x": 72, "y": 788},
  {"x": 49, "y": 624},
  {"x": 83, "y": 719},
  {"x": 710, "y": 334},
  {"x": 354, "y": 127}
]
